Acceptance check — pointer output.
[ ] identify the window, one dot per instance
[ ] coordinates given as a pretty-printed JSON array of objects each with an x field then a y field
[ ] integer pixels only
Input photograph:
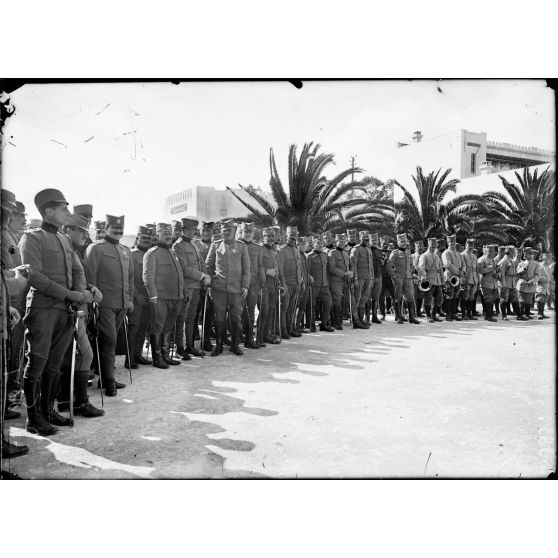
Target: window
[{"x": 473, "y": 163}]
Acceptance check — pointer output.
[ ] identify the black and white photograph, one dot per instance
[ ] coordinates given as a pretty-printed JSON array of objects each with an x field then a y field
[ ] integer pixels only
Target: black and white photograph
[{"x": 278, "y": 279}]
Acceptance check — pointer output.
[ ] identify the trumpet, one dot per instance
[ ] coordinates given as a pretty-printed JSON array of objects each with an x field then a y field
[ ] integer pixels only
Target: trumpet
[
  {"x": 425, "y": 285},
  {"x": 454, "y": 281}
]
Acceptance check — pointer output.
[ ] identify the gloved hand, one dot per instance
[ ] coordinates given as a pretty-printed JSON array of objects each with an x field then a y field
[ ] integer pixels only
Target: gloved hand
[{"x": 75, "y": 297}]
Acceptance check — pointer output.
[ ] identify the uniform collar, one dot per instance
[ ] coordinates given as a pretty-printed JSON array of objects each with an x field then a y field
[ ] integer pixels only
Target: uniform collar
[
  {"x": 185, "y": 238},
  {"x": 111, "y": 240},
  {"x": 49, "y": 228},
  {"x": 162, "y": 245}
]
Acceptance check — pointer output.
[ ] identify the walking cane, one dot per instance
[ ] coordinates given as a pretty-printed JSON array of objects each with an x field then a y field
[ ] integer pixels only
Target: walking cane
[
  {"x": 77, "y": 315},
  {"x": 127, "y": 346},
  {"x": 295, "y": 310},
  {"x": 350, "y": 301},
  {"x": 259, "y": 324},
  {"x": 96, "y": 324},
  {"x": 173, "y": 344},
  {"x": 279, "y": 318},
  {"x": 202, "y": 340}
]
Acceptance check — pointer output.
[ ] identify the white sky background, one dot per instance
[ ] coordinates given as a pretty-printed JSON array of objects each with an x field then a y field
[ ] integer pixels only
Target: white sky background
[{"x": 219, "y": 134}]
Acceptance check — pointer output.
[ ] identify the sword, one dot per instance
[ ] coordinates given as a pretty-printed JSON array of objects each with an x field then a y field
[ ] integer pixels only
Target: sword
[
  {"x": 350, "y": 302},
  {"x": 279, "y": 318},
  {"x": 259, "y": 325},
  {"x": 127, "y": 346},
  {"x": 202, "y": 340},
  {"x": 295, "y": 310},
  {"x": 77, "y": 315},
  {"x": 95, "y": 320}
]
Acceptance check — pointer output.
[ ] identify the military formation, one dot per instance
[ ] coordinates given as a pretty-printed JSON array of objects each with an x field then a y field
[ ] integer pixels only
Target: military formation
[{"x": 69, "y": 302}]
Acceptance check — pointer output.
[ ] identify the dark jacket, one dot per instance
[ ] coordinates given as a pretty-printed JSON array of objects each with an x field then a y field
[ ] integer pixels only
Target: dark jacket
[
  {"x": 229, "y": 266},
  {"x": 191, "y": 261},
  {"x": 162, "y": 274},
  {"x": 317, "y": 268}
]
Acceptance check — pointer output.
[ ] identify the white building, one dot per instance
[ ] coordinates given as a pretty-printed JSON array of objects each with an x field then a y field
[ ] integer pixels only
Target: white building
[{"x": 206, "y": 203}]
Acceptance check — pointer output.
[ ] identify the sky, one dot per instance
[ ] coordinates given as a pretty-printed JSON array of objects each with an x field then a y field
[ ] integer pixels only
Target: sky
[{"x": 125, "y": 147}]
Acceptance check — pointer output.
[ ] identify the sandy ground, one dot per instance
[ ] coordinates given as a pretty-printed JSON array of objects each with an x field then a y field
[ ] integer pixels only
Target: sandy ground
[{"x": 467, "y": 399}]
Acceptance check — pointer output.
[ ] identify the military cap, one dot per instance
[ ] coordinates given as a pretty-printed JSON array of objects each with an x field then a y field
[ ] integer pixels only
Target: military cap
[
  {"x": 501, "y": 248},
  {"x": 419, "y": 244},
  {"x": 100, "y": 225},
  {"x": 115, "y": 221},
  {"x": 228, "y": 223},
  {"x": 317, "y": 236},
  {"x": 217, "y": 228},
  {"x": 268, "y": 230},
  {"x": 20, "y": 208},
  {"x": 351, "y": 232},
  {"x": 276, "y": 228},
  {"x": 364, "y": 234},
  {"x": 292, "y": 231},
  {"x": 432, "y": 241},
  {"x": 78, "y": 221},
  {"x": 164, "y": 227},
  {"x": 374, "y": 238},
  {"x": 207, "y": 225},
  {"x": 341, "y": 236},
  {"x": 47, "y": 197},
  {"x": 85, "y": 209},
  {"x": 247, "y": 227},
  {"x": 190, "y": 223},
  {"x": 528, "y": 250},
  {"x": 451, "y": 238},
  {"x": 176, "y": 225},
  {"x": 470, "y": 241},
  {"x": 144, "y": 231},
  {"x": 510, "y": 246},
  {"x": 303, "y": 239},
  {"x": 8, "y": 200},
  {"x": 401, "y": 237}
]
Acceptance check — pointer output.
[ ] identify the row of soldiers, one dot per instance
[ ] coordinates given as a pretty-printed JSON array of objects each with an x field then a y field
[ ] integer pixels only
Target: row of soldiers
[{"x": 177, "y": 276}]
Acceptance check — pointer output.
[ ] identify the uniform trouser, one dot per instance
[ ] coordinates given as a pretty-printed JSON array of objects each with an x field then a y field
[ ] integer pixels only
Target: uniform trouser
[
  {"x": 418, "y": 298},
  {"x": 376, "y": 290},
  {"x": 164, "y": 319},
  {"x": 110, "y": 321},
  {"x": 289, "y": 304},
  {"x": 322, "y": 296},
  {"x": 303, "y": 300},
  {"x": 270, "y": 302},
  {"x": 48, "y": 333},
  {"x": 508, "y": 294},
  {"x": 451, "y": 293},
  {"x": 469, "y": 292},
  {"x": 526, "y": 298},
  {"x": 84, "y": 357},
  {"x": 191, "y": 300},
  {"x": 224, "y": 299},
  {"x": 138, "y": 323},
  {"x": 181, "y": 322},
  {"x": 489, "y": 295},
  {"x": 434, "y": 294},
  {"x": 362, "y": 292},
  {"x": 255, "y": 297},
  {"x": 16, "y": 340},
  {"x": 404, "y": 287},
  {"x": 387, "y": 290}
]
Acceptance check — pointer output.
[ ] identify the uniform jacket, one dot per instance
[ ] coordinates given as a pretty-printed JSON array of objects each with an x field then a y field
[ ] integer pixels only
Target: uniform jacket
[
  {"x": 430, "y": 267},
  {"x": 338, "y": 264},
  {"x": 54, "y": 269},
  {"x": 289, "y": 262},
  {"x": 400, "y": 265},
  {"x": 257, "y": 273},
  {"x": 470, "y": 262},
  {"x": 487, "y": 271},
  {"x": 362, "y": 263},
  {"x": 229, "y": 266},
  {"x": 270, "y": 260},
  {"x": 454, "y": 263},
  {"x": 384, "y": 263},
  {"x": 543, "y": 286},
  {"x": 10, "y": 249},
  {"x": 109, "y": 267},
  {"x": 162, "y": 274},
  {"x": 203, "y": 248},
  {"x": 317, "y": 268},
  {"x": 508, "y": 270},
  {"x": 140, "y": 292},
  {"x": 191, "y": 261},
  {"x": 533, "y": 273},
  {"x": 304, "y": 266}
]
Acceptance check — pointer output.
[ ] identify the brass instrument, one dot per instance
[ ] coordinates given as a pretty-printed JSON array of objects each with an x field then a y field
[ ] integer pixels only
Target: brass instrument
[
  {"x": 454, "y": 281},
  {"x": 425, "y": 285}
]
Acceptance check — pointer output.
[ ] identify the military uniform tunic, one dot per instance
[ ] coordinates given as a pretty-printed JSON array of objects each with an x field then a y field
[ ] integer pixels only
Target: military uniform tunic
[
  {"x": 362, "y": 266},
  {"x": 318, "y": 270}
]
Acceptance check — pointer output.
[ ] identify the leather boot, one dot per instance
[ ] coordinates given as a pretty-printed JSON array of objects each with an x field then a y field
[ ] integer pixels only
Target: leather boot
[
  {"x": 428, "y": 310},
  {"x": 365, "y": 315},
  {"x": 158, "y": 361},
  {"x": 360, "y": 314},
  {"x": 490, "y": 313},
  {"x": 454, "y": 310},
  {"x": 165, "y": 350},
  {"x": 9, "y": 450},
  {"x": 419, "y": 313},
  {"x": 472, "y": 304},
  {"x": 235, "y": 338},
  {"x": 183, "y": 353},
  {"x": 464, "y": 312},
  {"x": 375, "y": 319},
  {"x": 447, "y": 309},
  {"x": 336, "y": 319},
  {"x": 36, "y": 423},
  {"x": 398, "y": 314},
  {"x": 218, "y": 349},
  {"x": 504, "y": 309},
  {"x": 436, "y": 309},
  {"x": 412, "y": 318},
  {"x": 82, "y": 406},
  {"x": 50, "y": 383},
  {"x": 518, "y": 314}
]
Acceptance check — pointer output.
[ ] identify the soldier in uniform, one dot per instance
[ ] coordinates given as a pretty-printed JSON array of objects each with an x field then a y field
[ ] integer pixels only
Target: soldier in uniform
[
  {"x": 419, "y": 249},
  {"x": 387, "y": 294},
  {"x": 273, "y": 285},
  {"x": 430, "y": 269},
  {"x": 488, "y": 271},
  {"x": 109, "y": 268},
  {"x": 57, "y": 281},
  {"x": 500, "y": 254},
  {"x": 100, "y": 230},
  {"x": 377, "y": 286},
  {"x": 255, "y": 295},
  {"x": 86, "y": 211},
  {"x": 228, "y": 265},
  {"x": 304, "y": 307},
  {"x": 328, "y": 242},
  {"x": 400, "y": 269},
  {"x": 139, "y": 317},
  {"x": 470, "y": 280},
  {"x": 351, "y": 239},
  {"x": 543, "y": 288},
  {"x": 362, "y": 267},
  {"x": 291, "y": 266},
  {"x": 195, "y": 276},
  {"x": 76, "y": 231},
  {"x": 453, "y": 263},
  {"x": 529, "y": 274},
  {"x": 164, "y": 281},
  {"x": 318, "y": 269},
  {"x": 340, "y": 275},
  {"x": 508, "y": 279}
]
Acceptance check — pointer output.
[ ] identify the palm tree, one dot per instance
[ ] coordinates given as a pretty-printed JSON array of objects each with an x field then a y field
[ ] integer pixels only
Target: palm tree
[
  {"x": 526, "y": 210},
  {"x": 311, "y": 201},
  {"x": 429, "y": 215}
]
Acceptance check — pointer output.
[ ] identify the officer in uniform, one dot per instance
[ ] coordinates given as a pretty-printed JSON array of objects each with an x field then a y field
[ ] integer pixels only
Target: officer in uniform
[
  {"x": 228, "y": 265},
  {"x": 499, "y": 255},
  {"x": 195, "y": 276},
  {"x": 100, "y": 230},
  {"x": 76, "y": 230},
  {"x": 453, "y": 263},
  {"x": 400, "y": 269},
  {"x": 164, "y": 281},
  {"x": 430, "y": 268},
  {"x": 340, "y": 275},
  {"x": 328, "y": 242},
  {"x": 470, "y": 280},
  {"x": 351, "y": 239},
  {"x": 85, "y": 210},
  {"x": 419, "y": 249},
  {"x": 291, "y": 266},
  {"x": 377, "y": 285},
  {"x": 109, "y": 268},
  {"x": 204, "y": 243},
  {"x": 57, "y": 281},
  {"x": 255, "y": 295},
  {"x": 387, "y": 293},
  {"x": 304, "y": 308},
  {"x": 362, "y": 267},
  {"x": 529, "y": 274},
  {"x": 274, "y": 283},
  {"x": 138, "y": 322},
  {"x": 318, "y": 269},
  {"x": 508, "y": 279},
  {"x": 488, "y": 270}
]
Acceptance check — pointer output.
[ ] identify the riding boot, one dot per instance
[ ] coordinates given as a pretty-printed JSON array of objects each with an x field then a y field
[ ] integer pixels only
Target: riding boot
[
  {"x": 36, "y": 423},
  {"x": 429, "y": 313},
  {"x": 412, "y": 318},
  {"x": 82, "y": 406},
  {"x": 382, "y": 304},
  {"x": 447, "y": 310},
  {"x": 490, "y": 313},
  {"x": 158, "y": 361},
  {"x": 518, "y": 314},
  {"x": 398, "y": 313},
  {"x": 337, "y": 318},
  {"x": 50, "y": 383},
  {"x": 464, "y": 313},
  {"x": 504, "y": 309},
  {"x": 454, "y": 309},
  {"x": 497, "y": 307},
  {"x": 218, "y": 349},
  {"x": 165, "y": 350},
  {"x": 235, "y": 337},
  {"x": 366, "y": 314},
  {"x": 471, "y": 306},
  {"x": 358, "y": 322},
  {"x": 375, "y": 319},
  {"x": 509, "y": 308}
]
